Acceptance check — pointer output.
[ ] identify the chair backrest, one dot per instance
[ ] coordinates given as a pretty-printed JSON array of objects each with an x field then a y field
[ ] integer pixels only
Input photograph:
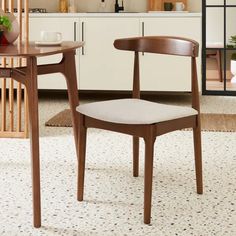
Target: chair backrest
[
  {"x": 169, "y": 45},
  {"x": 14, "y": 119},
  {"x": 159, "y": 44}
]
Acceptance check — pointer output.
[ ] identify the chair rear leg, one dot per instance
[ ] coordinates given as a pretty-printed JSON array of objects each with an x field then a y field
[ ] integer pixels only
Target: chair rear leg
[
  {"x": 198, "y": 157},
  {"x": 148, "y": 174},
  {"x": 135, "y": 156},
  {"x": 219, "y": 67},
  {"x": 81, "y": 157}
]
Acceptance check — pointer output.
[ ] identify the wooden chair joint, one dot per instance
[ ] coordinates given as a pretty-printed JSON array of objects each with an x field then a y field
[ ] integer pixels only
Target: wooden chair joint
[
  {"x": 5, "y": 73},
  {"x": 19, "y": 75},
  {"x": 173, "y": 125},
  {"x": 50, "y": 69},
  {"x": 135, "y": 130}
]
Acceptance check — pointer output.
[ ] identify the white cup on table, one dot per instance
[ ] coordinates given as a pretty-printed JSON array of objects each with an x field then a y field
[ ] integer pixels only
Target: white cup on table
[
  {"x": 50, "y": 36},
  {"x": 179, "y": 6}
]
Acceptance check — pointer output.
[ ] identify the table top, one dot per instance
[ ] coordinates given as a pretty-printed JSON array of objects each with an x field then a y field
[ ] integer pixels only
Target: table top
[{"x": 32, "y": 49}]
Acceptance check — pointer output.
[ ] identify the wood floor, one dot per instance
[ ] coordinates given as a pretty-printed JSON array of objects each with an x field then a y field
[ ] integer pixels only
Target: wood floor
[
  {"x": 212, "y": 77},
  {"x": 217, "y": 85}
]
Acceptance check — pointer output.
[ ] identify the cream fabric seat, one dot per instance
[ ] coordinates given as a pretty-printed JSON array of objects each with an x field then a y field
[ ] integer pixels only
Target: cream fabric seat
[{"x": 127, "y": 111}]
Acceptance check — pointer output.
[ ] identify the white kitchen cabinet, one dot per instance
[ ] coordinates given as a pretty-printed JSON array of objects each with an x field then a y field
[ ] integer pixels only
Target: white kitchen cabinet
[
  {"x": 69, "y": 29},
  {"x": 102, "y": 67},
  {"x": 163, "y": 72}
]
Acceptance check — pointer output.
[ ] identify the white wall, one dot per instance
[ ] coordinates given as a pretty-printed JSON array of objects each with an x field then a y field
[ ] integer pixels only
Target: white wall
[
  {"x": 195, "y": 5},
  {"x": 92, "y": 5},
  {"x": 215, "y": 23}
]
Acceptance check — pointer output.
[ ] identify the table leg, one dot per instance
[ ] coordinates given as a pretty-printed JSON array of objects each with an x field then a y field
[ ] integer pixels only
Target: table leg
[
  {"x": 71, "y": 80},
  {"x": 32, "y": 92}
]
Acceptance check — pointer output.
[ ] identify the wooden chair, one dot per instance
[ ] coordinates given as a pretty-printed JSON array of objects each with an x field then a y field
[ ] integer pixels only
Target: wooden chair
[
  {"x": 145, "y": 119},
  {"x": 14, "y": 121}
]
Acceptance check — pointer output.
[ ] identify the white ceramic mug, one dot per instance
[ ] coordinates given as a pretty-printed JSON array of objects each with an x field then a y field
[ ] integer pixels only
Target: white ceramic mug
[
  {"x": 50, "y": 36},
  {"x": 179, "y": 6}
]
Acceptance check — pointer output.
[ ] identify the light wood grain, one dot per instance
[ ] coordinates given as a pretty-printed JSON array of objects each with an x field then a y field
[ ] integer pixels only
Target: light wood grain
[
  {"x": 158, "y": 5},
  {"x": 7, "y": 116},
  {"x": 14, "y": 134},
  {"x": 3, "y": 105},
  {"x": 4, "y": 5},
  {"x": 11, "y": 104},
  {"x": 3, "y": 88},
  {"x": 19, "y": 17},
  {"x": 11, "y": 5},
  {"x": 19, "y": 105}
]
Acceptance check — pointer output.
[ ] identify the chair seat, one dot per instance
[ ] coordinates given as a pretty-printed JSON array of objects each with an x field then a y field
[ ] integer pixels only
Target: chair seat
[{"x": 127, "y": 111}]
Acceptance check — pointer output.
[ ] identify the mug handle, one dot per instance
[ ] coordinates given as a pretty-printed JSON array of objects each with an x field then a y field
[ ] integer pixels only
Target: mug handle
[{"x": 59, "y": 36}]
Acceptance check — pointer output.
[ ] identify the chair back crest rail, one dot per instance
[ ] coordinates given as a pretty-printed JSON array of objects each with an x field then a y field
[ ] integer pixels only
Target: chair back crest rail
[
  {"x": 168, "y": 45},
  {"x": 14, "y": 103}
]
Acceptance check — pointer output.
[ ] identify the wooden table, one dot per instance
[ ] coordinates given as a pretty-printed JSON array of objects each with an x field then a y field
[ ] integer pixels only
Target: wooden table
[{"x": 28, "y": 76}]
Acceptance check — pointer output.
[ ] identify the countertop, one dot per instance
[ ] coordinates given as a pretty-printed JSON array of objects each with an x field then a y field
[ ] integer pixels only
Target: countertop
[{"x": 123, "y": 14}]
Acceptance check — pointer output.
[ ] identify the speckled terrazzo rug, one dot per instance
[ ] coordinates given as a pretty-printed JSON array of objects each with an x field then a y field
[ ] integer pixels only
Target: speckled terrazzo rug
[
  {"x": 113, "y": 201},
  {"x": 210, "y": 122}
]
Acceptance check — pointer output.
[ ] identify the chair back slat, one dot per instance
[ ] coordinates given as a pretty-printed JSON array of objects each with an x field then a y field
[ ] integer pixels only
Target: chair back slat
[
  {"x": 14, "y": 118},
  {"x": 136, "y": 80}
]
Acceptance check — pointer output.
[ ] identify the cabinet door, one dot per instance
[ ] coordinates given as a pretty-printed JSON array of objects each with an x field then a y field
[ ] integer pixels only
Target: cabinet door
[
  {"x": 163, "y": 72},
  {"x": 102, "y": 67},
  {"x": 68, "y": 28}
]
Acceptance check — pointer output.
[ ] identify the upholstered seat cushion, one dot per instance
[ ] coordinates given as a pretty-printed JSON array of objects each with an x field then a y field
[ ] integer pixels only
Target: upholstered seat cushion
[{"x": 134, "y": 111}]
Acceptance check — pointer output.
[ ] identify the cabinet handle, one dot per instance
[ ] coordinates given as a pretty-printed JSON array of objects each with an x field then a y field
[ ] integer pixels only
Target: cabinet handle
[
  {"x": 143, "y": 32},
  {"x": 75, "y": 36},
  {"x": 75, "y": 31},
  {"x": 143, "y": 28},
  {"x": 83, "y": 26}
]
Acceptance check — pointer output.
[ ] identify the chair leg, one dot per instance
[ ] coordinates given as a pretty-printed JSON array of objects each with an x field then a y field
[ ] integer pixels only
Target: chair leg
[
  {"x": 198, "y": 157},
  {"x": 82, "y": 155},
  {"x": 135, "y": 156},
  {"x": 71, "y": 81},
  {"x": 218, "y": 58},
  {"x": 148, "y": 172}
]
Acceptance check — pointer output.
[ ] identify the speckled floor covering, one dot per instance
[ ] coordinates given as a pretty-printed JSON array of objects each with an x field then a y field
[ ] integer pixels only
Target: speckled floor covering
[{"x": 113, "y": 202}]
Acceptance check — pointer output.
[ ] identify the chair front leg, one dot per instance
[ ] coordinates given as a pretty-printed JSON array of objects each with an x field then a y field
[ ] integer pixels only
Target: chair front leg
[
  {"x": 198, "y": 156},
  {"x": 81, "y": 157},
  {"x": 135, "y": 156},
  {"x": 148, "y": 175},
  {"x": 71, "y": 80}
]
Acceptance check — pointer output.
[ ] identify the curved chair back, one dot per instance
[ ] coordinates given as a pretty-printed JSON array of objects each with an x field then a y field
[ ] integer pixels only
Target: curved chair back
[
  {"x": 159, "y": 44},
  {"x": 170, "y": 45}
]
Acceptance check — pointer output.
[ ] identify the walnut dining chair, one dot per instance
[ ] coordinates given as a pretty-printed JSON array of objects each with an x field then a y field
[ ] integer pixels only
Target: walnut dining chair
[{"x": 141, "y": 118}]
